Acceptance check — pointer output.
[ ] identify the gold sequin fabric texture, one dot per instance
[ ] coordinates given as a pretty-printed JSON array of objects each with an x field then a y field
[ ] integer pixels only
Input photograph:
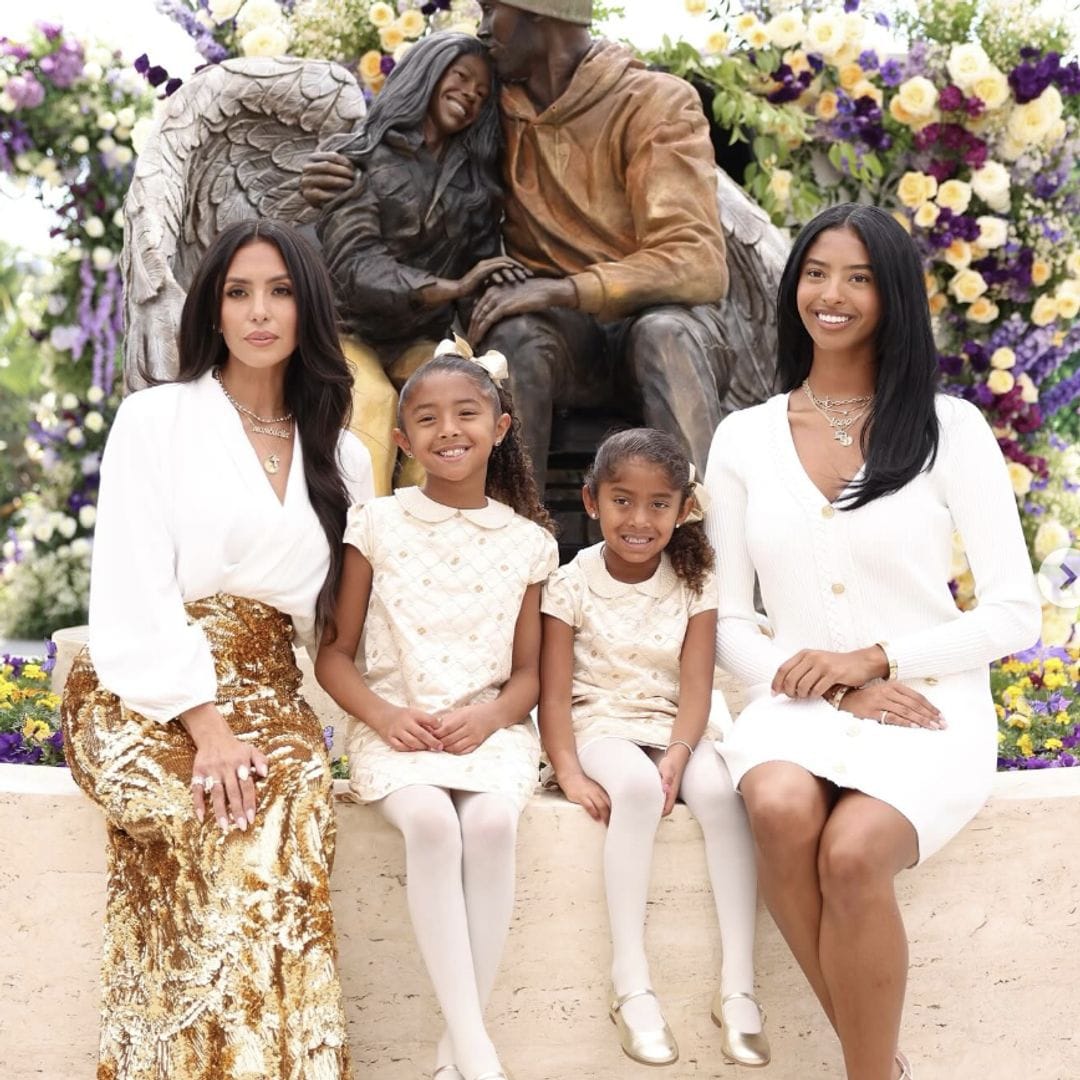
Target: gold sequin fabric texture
[{"x": 219, "y": 953}]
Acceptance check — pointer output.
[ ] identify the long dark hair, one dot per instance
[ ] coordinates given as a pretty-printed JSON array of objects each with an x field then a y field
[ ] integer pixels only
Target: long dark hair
[
  {"x": 689, "y": 549},
  {"x": 900, "y": 436},
  {"x": 509, "y": 472},
  {"x": 403, "y": 103},
  {"x": 318, "y": 382}
]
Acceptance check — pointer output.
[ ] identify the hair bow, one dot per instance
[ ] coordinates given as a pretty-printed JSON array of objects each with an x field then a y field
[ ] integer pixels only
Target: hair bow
[
  {"x": 700, "y": 497},
  {"x": 493, "y": 362}
]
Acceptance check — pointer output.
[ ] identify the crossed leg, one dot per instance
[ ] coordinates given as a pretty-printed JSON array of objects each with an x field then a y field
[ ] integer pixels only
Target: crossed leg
[{"x": 826, "y": 867}]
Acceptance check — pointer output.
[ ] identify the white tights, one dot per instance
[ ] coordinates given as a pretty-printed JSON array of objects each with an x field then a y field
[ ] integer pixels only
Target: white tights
[
  {"x": 630, "y": 777},
  {"x": 459, "y": 864}
]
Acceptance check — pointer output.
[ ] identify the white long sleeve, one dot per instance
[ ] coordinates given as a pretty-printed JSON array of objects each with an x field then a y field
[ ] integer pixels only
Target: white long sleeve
[
  {"x": 844, "y": 579},
  {"x": 741, "y": 647},
  {"x": 186, "y": 511}
]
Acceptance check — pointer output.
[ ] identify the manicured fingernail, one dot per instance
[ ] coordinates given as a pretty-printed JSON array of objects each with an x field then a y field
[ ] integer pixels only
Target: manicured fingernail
[
  {"x": 251, "y": 817},
  {"x": 241, "y": 824},
  {"x": 224, "y": 823}
]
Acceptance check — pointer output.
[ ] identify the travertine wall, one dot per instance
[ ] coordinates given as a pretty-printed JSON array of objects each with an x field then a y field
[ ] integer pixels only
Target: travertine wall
[{"x": 993, "y": 922}]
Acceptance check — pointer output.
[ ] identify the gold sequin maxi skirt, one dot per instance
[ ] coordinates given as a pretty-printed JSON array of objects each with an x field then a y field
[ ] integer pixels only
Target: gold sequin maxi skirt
[{"x": 219, "y": 954}]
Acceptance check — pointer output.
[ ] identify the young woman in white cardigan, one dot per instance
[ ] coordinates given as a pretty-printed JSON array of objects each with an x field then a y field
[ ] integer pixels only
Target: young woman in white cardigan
[
  {"x": 870, "y": 736},
  {"x": 222, "y": 506}
]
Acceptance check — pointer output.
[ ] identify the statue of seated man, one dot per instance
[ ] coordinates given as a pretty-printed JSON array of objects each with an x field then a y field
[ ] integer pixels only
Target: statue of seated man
[{"x": 611, "y": 203}]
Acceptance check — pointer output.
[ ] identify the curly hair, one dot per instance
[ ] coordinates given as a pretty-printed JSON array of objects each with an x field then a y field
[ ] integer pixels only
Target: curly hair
[
  {"x": 509, "y": 472},
  {"x": 691, "y": 554}
]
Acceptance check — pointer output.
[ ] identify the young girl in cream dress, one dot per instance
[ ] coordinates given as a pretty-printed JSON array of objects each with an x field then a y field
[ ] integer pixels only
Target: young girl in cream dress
[
  {"x": 443, "y": 582},
  {"x": 627, "y": 673}
]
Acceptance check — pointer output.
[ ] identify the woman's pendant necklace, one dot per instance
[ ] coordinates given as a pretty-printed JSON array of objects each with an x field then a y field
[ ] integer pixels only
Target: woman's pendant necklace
[{"x": 271, "y": 463}]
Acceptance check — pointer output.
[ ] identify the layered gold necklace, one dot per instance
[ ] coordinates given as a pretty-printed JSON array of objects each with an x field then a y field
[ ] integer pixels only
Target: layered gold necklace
[
  {"x": 840, "y": 413},
  {"x": 260, "y": 425}
]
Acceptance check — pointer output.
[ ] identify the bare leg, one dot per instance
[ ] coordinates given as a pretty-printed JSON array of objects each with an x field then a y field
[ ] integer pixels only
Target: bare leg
[
  {"x": 788, "y": 809},
  {"x": 863, "y": 947}
]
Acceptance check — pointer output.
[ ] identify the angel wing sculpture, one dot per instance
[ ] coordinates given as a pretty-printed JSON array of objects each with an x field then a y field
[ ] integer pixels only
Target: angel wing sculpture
[
  {"x": 756, "y": 253},
  {"x": 229, "y": 145}
]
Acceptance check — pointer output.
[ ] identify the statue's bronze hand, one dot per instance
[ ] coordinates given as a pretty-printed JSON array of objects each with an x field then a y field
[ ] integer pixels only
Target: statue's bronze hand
[
  {"x": 326, "y": 175},
  {"x": 503, "y": 301}
]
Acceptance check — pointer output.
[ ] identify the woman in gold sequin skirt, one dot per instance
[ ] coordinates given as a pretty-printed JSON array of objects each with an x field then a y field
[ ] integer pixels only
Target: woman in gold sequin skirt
[{"x": 221, "y": 510}]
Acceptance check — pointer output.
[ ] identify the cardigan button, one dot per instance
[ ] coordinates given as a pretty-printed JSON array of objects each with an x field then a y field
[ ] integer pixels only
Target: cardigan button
[
  {"x": 838, "y": 587},
  {"x": 931, "y": 681},
  {"x": 828, "y": 511}
]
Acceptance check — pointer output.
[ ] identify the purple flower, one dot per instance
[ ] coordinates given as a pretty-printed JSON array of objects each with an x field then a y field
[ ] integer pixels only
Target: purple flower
[
  {"x": 156, "y": 75},
  {"x": 951, "y": 98},
  {"x": 951, "y": 364},
  {"x": 882, "y": 19},
  {"x": 892, "y": 74},
  {"x": 387, "y": 64},
  {"x": 868, "y": 60},
  {"x": 50, "y": 656},
  {"x": 328, "y": 736},
  {"x": 974, "y": 106},
  {"x": 25, "y": 91},
  {"x": 51, "y": 30},
  {"x": 851, "y": 5}
]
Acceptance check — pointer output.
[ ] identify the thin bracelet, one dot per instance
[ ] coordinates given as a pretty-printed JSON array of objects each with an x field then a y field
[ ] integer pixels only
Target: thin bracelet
[
  {"x": 888, "y": 659},
  {"x": 838, "y": 696},
  {"x": 679, "y": 742}
]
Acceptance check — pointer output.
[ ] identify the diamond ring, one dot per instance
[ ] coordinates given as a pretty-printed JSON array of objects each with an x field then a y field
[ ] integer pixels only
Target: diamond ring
[
  {"x": 242, "y": 773},
  {"x": 208, "y": 783}
]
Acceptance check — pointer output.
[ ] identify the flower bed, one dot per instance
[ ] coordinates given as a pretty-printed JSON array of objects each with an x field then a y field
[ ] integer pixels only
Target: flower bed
[{"x": 29, "y": 712}]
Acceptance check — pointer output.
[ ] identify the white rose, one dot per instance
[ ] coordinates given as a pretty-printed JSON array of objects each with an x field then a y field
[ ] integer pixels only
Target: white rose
[
  {"x": 93, "y": 421},
  {"x": 102, "y": 258},
  {"x": 780, "y": 185},
  {"x": 824, "y": 33},
  {"x": 69, "y": 401},
  {"x": 917, "y": 96},
  {"x": 268, "y": 40},
  {"x": 967, "y": 63},
  {"x": 95, "y": 394},
  {"x": 992, "y": 89},
  {"x": 223, "y": 10},
  {"x": 80, "y": 546},
  {"x": 92, "y": 72},
  {"x": 993, "y": 232},
  {"x": 75, "y": 436},
  {"x": 1029, "y": 392},
  {"x": 123, "y": 155},
  {"x": 94, "y": 227},
  {"x": 106, "y": 145},
  {"x": 786, "y": 29},
  {"x": 126, "y": 116},
  {"x": 80, "y": 144},
  {"x": 854, "y": 28},
  {"x": 1057, "y": 625},
  {"x": 68, "y": 527},
  {"x": 258, "y": 13},
  {"x": 1031, "y": 122},
  {"x": 106, "y": 121},
  {"x": 991, "y": 184},
  {"x": 43, "y": 533},
  {"x": 87, "y": 516},
  {"x": 118, "y": 217}
]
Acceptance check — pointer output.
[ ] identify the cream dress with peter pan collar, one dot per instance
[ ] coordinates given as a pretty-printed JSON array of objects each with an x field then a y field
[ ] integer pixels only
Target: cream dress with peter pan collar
[
  {"x": 628, "y": 639},
  {"x": 439, "y": 634}
]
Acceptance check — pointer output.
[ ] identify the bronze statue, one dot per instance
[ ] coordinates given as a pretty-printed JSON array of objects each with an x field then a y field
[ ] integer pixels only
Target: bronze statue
[{"x": 612, "y": 203}]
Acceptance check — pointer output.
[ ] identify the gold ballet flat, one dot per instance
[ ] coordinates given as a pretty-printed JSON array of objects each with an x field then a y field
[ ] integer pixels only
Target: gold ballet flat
[
  {"x": 656, "y": 1047},
  {"x": 905, "y": 1067},
  {"x": 741, "y": 1047}
]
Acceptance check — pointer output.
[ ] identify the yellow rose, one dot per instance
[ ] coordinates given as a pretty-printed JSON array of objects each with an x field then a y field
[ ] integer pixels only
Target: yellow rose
[
  {"x": 846, "y": 54},
  {"x": 268, "y": 40},
  {"x": 1031, "y": 122},
  {"x": 411, "y": 23},
  {"x": 744, "y": 23},
  {"x": 992, "y": 89},
  {"x": 1069, "y": 288},
  {"x": 1072, "y": 264},
  {"x": 967, "y": 286},
  {"x": 826, "y": 105},
  {"x": 1003, "y": 358},
  {"x": 991, "y": 183},
  {"x": 982, "y": 310},
  {"x": 865, "y": 88},
  {"x": 902, "y": 220},
  {"x": 717, "y": 42},
  {"x": 797, "y": 61},
  {"x": 850, "y": 75},
  {"x": 381, "y": 14},
  {"x": 915, "y": 188},
  {"x": 780, "y": 185},
  {"x": 899, "y": 113},
  {"x": 376, "y": 84},
  {"x": 758, "y": 38},
  {"x": 1029, "y": 392},
  {"x": 954, "y": 195},
  {"x": 1044, "y": 311},
  {"x": 958, "y": 254},
  {"x": 1067, "y": 306},
  {"x": 370, "y": 65},
  {"x": 926, "y": 216},
  {"x": 930, "y": 281},
  {"x": 390, "y": 37},
  {"x": 824, "y": 34},
  {"x": 854, "y": 28},
  {"x": 1040, "y": 272},
  {"x": 917, "y": 96},
  {"x": 1021, "y": 477},
  {"x": 938, "y": 303},
  {"x": 786, "y": 29},
  {"x": 1000, "y": 382}
]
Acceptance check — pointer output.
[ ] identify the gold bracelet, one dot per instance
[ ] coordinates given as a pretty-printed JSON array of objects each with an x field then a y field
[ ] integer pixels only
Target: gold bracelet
[
  {"x": 679, "y": 742},
  {"x": 888, "y": 659},
  {"x": 837, "y": 696}
]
